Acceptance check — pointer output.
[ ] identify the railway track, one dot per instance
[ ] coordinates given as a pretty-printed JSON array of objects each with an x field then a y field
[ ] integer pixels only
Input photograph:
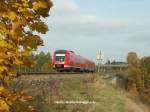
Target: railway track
[{"x": 51, "y": 73}]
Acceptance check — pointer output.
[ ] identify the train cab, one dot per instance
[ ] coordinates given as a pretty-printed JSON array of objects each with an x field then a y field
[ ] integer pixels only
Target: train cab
[
  {"x": 65, "y": 60},
  {"x": 61, "y": 59}
]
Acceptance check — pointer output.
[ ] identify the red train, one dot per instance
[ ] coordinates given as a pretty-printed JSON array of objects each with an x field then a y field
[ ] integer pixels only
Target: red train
[{"x": 64, "y": 60}]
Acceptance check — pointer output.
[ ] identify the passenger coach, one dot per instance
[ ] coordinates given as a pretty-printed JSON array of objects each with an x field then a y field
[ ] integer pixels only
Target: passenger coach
[{"x": 65, "y": 60}]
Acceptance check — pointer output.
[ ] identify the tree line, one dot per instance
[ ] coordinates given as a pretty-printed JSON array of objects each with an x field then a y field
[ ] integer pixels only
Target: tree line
[
  {"x": 41, "y": 62},
  {"x": 138, "y": 79}
]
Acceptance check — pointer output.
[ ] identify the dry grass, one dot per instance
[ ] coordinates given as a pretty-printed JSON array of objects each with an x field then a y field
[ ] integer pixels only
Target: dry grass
[{"x": 84, "y": 87}]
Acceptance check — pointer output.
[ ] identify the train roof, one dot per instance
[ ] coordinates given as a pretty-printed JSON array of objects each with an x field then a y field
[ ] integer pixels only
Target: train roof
[
  {"x": 63, "y": 51},
  {"x": 60, "y": 51}
]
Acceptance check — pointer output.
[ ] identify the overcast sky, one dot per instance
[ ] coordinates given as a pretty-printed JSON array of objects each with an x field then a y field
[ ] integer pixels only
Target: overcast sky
[{"x": 115, "y": 27}]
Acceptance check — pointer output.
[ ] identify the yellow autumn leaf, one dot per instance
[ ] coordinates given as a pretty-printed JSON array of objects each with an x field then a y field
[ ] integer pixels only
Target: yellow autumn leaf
[
  {"x": 3, "y": 28},
  {"x": 3, "y": 91},
  {"x": 12, "y": 73},
  {"x": 17, "y": 61},
  {"x": 5, "y": 44},
  {"x": 26, "y": 53},
  {"x": 3, "y": 68},
  {"x": 3, "y": 106},
  {"x": 39, "y": 4},
  {"x": 1, "y": 61},
  {"x": 3, "y": 55},
  {"x": 12, "y": 15}
]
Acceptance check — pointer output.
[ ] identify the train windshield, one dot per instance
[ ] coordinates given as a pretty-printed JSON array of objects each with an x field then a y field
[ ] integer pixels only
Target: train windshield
[{"x": 60, "y": 57}]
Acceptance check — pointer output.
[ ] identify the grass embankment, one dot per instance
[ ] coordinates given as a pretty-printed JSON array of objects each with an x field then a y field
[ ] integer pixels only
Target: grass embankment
[{"x": 50, "y": 89}]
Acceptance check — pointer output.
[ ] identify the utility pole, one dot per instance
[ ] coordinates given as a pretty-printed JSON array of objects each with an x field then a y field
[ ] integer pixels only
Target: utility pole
[{"x": 99, "y": 58}]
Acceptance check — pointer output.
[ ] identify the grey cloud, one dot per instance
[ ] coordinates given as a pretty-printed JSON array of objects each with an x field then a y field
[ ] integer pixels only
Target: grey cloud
[{"x": 87, "y": 25}]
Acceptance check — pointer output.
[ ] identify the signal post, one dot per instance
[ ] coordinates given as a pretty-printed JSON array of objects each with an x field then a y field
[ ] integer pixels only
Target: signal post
[{"x": 99, "y": 59}]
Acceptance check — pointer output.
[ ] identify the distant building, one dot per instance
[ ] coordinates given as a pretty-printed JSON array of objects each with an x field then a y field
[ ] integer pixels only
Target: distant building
[
  {"x": 115, "y": 62},
  {"x": 118, "y": 62}
]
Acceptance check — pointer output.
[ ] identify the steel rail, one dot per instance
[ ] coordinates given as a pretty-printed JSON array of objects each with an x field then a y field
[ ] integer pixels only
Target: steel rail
[{"x": 51, "y": 73}]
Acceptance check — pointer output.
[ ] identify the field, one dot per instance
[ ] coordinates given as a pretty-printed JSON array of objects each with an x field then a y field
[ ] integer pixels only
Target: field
[{"x": 53, "y": 93}]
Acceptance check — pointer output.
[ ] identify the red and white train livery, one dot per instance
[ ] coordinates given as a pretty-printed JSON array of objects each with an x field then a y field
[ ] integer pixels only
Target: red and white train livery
[{"x": 65, "y": 60}]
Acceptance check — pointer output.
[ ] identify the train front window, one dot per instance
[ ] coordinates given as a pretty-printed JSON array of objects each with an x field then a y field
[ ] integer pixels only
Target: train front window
[{"x": 60, "y": 57}]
